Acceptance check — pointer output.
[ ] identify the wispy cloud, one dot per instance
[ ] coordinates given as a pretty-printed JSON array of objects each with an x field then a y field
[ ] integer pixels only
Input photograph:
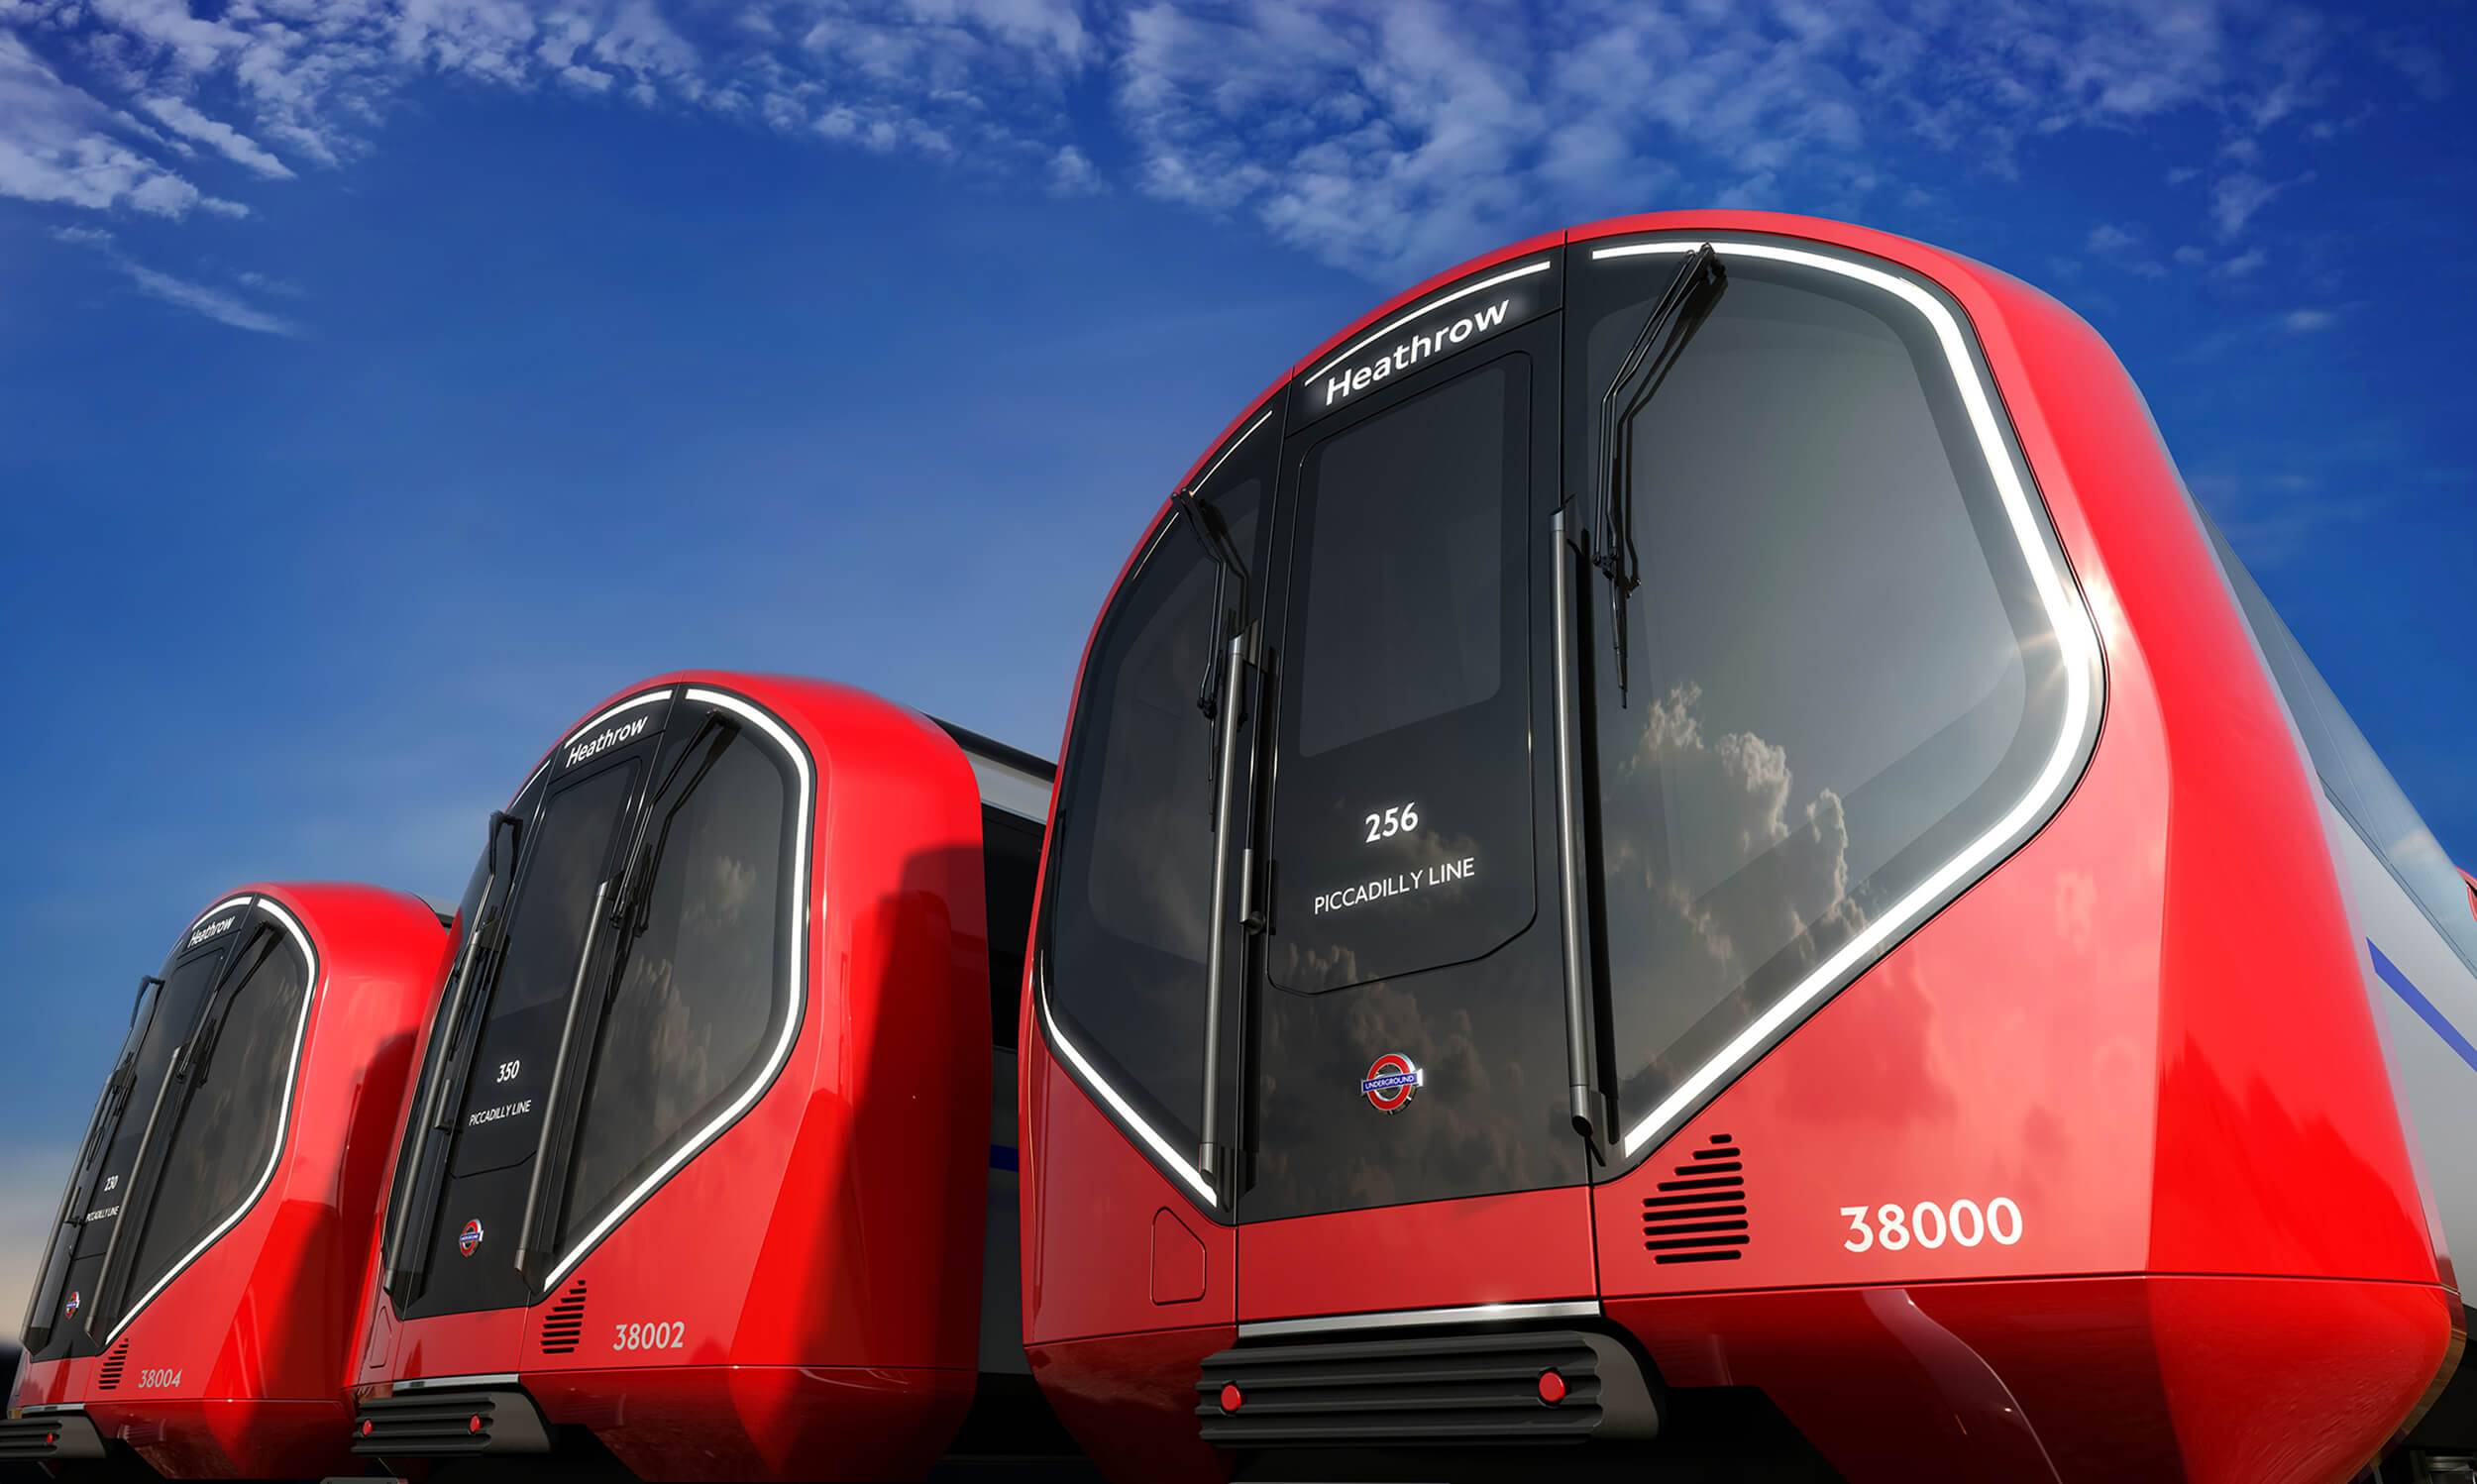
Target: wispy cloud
[
  {"x": 1382, "y": 137},
  {"x": 2236, "y": 198},
  {"x": 2127, "y": 248},
  {"x": 182, "y": 119},
  {"x": 2307, "y": 321},
  {"x": 61, "y": 144},
  {"x": 220, "y": 305}
]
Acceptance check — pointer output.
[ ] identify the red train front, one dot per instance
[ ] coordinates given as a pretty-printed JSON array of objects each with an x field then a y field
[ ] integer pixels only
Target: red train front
[
  {"x": 196, "y": 1299},
  {"x": 700, "y": 1171},
  {"x": 1738, "y": 894}
]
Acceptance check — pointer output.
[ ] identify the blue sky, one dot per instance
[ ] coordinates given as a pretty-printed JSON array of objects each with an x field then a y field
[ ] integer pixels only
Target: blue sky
[{"x": 384, "y": 381}]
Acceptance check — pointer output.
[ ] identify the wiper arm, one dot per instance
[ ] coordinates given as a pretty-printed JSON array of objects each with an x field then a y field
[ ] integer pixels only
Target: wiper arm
[
  {"x": 1681, "y": 310},
  {"x": 1225, "y": 626}
]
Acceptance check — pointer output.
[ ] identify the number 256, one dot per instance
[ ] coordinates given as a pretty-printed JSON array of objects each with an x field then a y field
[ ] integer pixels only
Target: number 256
[{"x": 1398, "y": 820}]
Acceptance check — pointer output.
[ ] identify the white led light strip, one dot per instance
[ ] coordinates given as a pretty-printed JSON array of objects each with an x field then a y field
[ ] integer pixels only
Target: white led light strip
[
  {"x": 2073, "y": 636},
  {"x": 631, "y": 704},
  {"x": 1399, "y": 320},
  {"x": 284, "y": 1116},
  {"x": 796, "y": 985},
  {"x": 1200, "y": 480},
  {"x": 1152, "y": 1136}
]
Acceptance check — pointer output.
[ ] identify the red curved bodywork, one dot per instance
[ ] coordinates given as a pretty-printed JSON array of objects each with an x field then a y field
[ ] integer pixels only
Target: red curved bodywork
[
  {"x": 824, "y": 1251},
  {"x": 253, "y": 1333},
  {"x": 2147, "y": 1026}
]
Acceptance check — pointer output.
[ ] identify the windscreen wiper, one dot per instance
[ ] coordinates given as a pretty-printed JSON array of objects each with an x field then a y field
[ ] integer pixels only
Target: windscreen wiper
[
  {"x": 1681, "y": 310},
  {"x": 1228, "y": 626},
  {"x": 631, "y": 903}
]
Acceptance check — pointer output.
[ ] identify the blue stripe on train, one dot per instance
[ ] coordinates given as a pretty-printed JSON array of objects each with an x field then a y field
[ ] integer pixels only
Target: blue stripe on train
[
  {"x": 1003, "y": 1158},
  {"x": 2390, "y": 974}
]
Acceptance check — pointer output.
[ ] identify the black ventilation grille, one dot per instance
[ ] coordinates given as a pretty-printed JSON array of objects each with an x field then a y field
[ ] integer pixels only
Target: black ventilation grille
[
  {"x": 443, "y": 1423},
  {"x": 1699, "y": 1217},
  {"x": 563, "y": 1325},
  {"x": 109, "y": 1377},
  {"x": 48, "y": 1437},
  {"x": 1444, "y": 1390}
]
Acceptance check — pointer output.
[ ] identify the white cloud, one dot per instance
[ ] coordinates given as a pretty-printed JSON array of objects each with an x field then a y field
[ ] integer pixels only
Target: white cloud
[
  {"x": 215, "y": 303},
  {"x": 1389, "y": 139},
  {"x": 220, "y": 305},
  {"x": 2126, "y": 247},
  {"x": 2307, "y": 321},
  {"x": 1071, "y": 173},
  {"x": 2236, "y": 197},
  {"x": 59, "y": 144},
  {"x": 185, "y": 121}
]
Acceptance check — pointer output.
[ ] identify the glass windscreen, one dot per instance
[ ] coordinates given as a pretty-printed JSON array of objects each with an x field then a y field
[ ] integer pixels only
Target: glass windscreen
[
  {"x": 1129, "y": 919},
  {"x": 567, "y": 856},
  {"x": 60, "y": 1243},
  {"x": 701, "y": 973},
  {"x": 1842, "y": 672},
  {"x": 221, "y": 1143},
  {"x": 75, "y": 1268},
  {"x": 179, "y": 1004}
]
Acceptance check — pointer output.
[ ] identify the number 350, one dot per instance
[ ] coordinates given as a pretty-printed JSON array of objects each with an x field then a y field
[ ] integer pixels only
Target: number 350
[{"x": 1930, "y": 1225}]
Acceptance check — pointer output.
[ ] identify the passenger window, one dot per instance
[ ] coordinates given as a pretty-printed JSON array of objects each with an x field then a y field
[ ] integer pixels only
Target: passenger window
[
  {"x": 701, "y": 991},
  {"x": 226, "y": 1139},
  {"x": 1845, "y": 672},
  {"x": 1134, "y": 860}
]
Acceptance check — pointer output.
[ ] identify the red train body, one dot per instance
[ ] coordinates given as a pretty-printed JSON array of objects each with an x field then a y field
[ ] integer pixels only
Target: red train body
[
  {"x": 2075, "y": 1157},
  {"x": 198, "y": 1303},
  {"x": 768, "y": 986}
]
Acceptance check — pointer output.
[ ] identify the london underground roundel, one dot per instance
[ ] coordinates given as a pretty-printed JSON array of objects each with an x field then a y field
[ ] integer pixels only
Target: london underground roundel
[
  {"x": 469, "y": 1237},
  {"x": 70, "y": 1308},
  {"x": 1390, "y": 1080}
]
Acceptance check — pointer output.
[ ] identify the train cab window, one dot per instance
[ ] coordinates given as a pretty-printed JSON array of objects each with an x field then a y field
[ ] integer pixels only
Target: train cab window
[
  {"x": 176, "y": 1009},
  {"x": 1128, "y": 922},
  {"x": 1405, "y": 705},
  {"x": 1406, "y": 575},
  {"x": 1009, "y": 864},
  {"x": 700, "y": 979},
  {"x": 1846, "y": 675},
  {"x": 239, "y": 1082},
  {"x": 566, "y": 857}
]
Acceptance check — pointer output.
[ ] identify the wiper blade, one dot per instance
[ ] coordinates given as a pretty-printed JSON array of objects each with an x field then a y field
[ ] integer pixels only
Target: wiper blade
[
  {"x": 1227, "y": 625},
  {"x": 1681, "y": 310}
]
